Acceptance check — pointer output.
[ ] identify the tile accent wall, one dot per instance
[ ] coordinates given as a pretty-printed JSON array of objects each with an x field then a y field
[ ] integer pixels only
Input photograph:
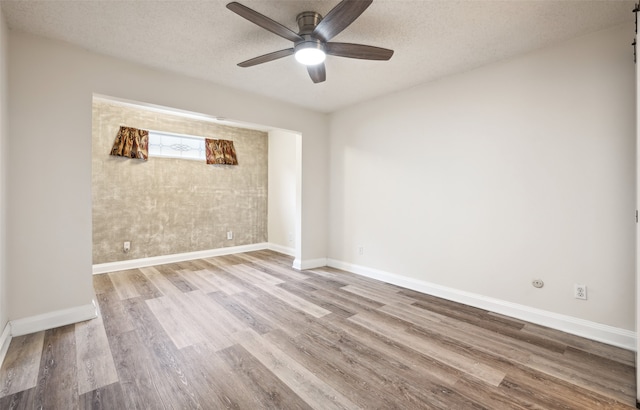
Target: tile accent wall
[{"x": 168, "y": 206}]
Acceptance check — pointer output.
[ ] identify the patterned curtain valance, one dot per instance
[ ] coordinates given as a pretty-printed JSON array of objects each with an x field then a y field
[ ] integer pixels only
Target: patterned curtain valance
[
  {"x": 131, "y": 143},
  {"x": 220, "y": 152}
]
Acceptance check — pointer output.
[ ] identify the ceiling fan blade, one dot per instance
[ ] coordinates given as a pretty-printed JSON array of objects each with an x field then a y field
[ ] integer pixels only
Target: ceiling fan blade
[
  {"x": 263, "y": 21},
  {"x": 339, "y": 18},
  {"x": 358, "y": 51},
  {"x": 317, "y": 72},
  {"x": 267, "y": 57}
]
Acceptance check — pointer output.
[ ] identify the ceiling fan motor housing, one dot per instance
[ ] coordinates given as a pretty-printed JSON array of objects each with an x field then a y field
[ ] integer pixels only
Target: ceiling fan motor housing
[
  {"x": 309, "y": 42},
  {"x": 307, "y": 21}
]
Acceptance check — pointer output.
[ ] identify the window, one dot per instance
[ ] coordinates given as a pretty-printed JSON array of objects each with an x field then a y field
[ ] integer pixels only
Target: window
[{"x": 167, "y": 145}]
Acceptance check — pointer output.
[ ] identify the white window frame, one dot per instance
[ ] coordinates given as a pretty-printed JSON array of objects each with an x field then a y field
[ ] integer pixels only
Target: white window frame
[{"x": 180, "y": 146}]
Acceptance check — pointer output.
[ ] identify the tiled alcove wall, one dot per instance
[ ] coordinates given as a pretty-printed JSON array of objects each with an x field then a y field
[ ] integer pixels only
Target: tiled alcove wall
[{"x": 169, "y": 206}]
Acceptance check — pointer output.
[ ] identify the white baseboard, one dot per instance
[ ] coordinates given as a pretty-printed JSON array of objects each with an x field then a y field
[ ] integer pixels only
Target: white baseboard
[
  {"x": 623, "y": 338},
  {"x": 50, "y": 320},
  {"x": 179, "y": 257},
  {"x": 282, "y": 249},
  {"x": 309, "y": 263},
  {"x": 5, "y": 340}
]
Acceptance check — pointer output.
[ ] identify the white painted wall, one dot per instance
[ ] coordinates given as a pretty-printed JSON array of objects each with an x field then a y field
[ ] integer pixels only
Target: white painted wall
[
  {"x": 4, "y": 36},
  {"x": 49, "y": 190},
  {"x": 486, "y": 180},
  {"x": 637, "y": 249},
  {"x": 282, "y": 190}
]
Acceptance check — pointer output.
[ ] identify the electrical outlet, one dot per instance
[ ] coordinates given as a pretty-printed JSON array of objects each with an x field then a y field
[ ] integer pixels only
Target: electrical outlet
[
  {"x": 126, "y": 247},
  {"x": 229, "y": 235},
  {"x": 580, "y": 291},
  {"x": 360, "y": 250}
]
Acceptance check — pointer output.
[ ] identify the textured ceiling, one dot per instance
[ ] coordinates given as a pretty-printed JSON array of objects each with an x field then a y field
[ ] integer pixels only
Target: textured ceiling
[{"x": 203, "y": 39}]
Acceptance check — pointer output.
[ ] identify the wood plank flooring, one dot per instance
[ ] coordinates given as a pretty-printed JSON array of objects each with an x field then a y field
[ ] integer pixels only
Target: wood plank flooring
[{"x": 248, "y": 332}]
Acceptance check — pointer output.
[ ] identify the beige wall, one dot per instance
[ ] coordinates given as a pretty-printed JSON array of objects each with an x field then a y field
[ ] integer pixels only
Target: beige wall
[
  {"x": 3, "y": 171},
  {"x": 49, "y": 233},
  {"x": 483, "y": 181},
  {"x": 167, "y": 206},
  {"x": 283, "y": 180}
]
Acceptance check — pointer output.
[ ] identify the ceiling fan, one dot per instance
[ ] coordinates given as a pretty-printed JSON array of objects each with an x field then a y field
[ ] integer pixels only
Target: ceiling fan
[{"x": 311, "y": 44}]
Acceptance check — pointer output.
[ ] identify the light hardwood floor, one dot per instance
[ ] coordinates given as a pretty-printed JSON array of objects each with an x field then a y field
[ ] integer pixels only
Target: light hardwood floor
[{"x": 248, "y": 332}]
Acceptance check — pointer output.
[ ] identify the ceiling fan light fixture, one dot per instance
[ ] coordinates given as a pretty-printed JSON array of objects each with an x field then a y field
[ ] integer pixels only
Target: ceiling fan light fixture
[
  {"x": 310, "y": 53},
  {"x": 311, "y": 43}
]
